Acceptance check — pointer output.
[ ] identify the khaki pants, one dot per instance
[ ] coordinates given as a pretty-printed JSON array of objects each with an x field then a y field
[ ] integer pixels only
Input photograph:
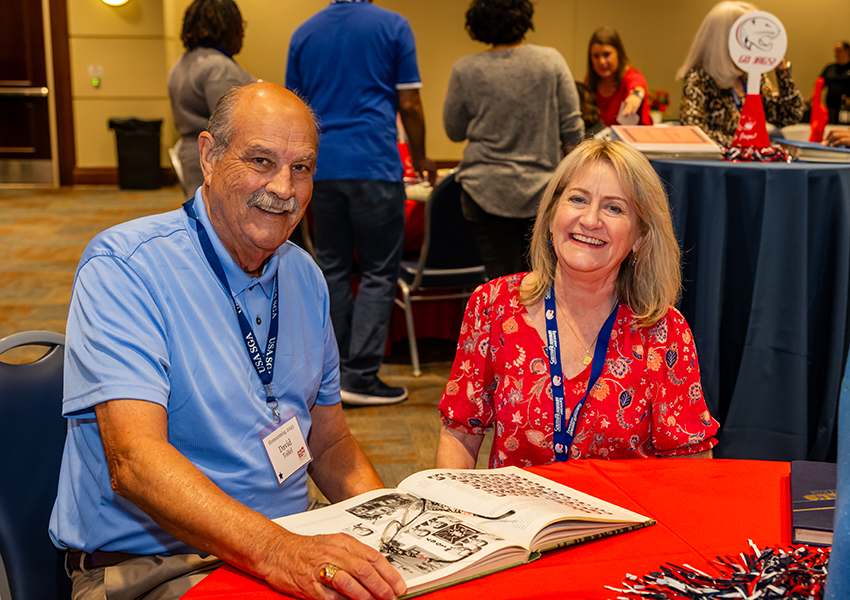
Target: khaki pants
[{"x": 153, "y": 577}]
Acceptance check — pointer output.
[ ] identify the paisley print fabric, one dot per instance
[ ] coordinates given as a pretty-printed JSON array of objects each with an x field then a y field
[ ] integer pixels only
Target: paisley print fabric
[
  {"x": 713, "y": 109},
  {"x": 647, "y": 403}
]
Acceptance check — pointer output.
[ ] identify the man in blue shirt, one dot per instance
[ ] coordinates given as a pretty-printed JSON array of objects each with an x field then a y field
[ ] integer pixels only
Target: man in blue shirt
[
  {"x": 355, "y": 64},
  {"x": 201, "y": 378}
]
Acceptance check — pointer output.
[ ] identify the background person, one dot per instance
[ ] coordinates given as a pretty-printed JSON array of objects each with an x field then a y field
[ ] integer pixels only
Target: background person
[
  {"x": 165, "y": 469},
  {"x": 837, "y": 81},
  {"x": 619, "y": 88},
  {"x": 605, "y": 252},
  {"x": 518, "y": 107},
  {"x": 714, "y": 88},
  {"x": 356, "y": 65},
  {"x": 212, "y": 34}
]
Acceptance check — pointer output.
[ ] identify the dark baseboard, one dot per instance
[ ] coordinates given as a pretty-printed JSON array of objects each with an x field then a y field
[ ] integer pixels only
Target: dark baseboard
[{"x": 109, "y": 176}]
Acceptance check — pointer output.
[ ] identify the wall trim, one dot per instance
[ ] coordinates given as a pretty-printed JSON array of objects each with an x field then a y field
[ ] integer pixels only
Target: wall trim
[{"x": 109, "y": 175}]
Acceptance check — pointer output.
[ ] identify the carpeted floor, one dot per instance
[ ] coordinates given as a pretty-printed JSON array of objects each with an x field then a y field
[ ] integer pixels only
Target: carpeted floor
[{"x": 42, "y": 235}]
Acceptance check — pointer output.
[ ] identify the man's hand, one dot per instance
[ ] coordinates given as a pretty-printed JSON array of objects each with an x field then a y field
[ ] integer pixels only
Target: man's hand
[
  {"x": 413, "y": 119},
  {"x": 147, "y": 470},
  {"x": 363, "y": 572},
  {"x": 423, "y": 165},
  {"x": 838, "y": 138}
]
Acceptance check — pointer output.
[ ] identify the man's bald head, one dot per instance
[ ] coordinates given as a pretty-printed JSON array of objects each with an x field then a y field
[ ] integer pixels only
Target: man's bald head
[{"x": 221, "y": 125}]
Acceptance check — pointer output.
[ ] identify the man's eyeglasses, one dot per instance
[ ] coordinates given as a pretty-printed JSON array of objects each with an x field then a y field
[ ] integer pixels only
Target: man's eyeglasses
[{"x": 414, "y": 510}]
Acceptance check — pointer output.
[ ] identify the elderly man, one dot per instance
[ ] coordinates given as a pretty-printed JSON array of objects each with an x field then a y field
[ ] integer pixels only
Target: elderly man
[{"x": 202, "y": 378}]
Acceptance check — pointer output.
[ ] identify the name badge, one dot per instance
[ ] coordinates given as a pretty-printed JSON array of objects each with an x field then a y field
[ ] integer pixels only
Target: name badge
[{"x": 285, "y": 447}]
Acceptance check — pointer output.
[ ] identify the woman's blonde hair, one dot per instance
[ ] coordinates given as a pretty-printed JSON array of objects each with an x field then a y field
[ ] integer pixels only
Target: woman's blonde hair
[
  {"x": 648, "y": 281},
  {"x": 710, "y": 48}
]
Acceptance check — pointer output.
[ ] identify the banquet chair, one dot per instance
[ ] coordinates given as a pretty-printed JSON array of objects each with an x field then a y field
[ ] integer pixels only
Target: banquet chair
[
  {"x": 174, "y": 155},
  {"x": 32, "y": 435},
  {"x": 448, "y": 266}
]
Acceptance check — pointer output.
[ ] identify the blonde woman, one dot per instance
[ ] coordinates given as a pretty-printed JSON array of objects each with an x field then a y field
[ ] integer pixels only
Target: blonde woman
[
  {"x": 595, "y": 313},
  {"x": 714, "y": 88}
]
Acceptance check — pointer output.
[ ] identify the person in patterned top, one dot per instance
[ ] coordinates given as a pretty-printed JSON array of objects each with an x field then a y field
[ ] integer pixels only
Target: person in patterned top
[
  {"x": 603, "y": 242},
  {"x": 714, "y": 88}
]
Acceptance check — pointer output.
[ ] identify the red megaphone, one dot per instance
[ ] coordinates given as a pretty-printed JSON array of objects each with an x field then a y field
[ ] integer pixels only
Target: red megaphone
[{"x": 820, "y": 116}]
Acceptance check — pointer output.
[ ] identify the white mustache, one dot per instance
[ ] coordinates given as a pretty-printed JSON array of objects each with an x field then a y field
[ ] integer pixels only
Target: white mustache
[{"x": 273, "y": 204}]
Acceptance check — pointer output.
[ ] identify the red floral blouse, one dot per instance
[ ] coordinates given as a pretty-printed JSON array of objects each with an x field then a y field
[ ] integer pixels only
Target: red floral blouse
[{"x": 647, "y": 402}]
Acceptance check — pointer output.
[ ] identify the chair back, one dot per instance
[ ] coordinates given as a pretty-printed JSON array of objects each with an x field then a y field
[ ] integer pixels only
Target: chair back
[
  {"x": 32, "y": 437},
  {"x": 447, "y": 243},
  {"x": 174, "y": 156}
]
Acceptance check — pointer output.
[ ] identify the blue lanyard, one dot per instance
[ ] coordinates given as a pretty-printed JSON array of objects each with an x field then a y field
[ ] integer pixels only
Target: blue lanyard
[
  {"x": 736, "y": 98},
  {"x": 562, "y": 434},
  {"x": 263, "y": 363}
]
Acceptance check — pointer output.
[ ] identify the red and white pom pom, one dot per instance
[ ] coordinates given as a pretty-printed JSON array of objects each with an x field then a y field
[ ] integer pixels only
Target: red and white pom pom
[{"x": 771, "y": 574}]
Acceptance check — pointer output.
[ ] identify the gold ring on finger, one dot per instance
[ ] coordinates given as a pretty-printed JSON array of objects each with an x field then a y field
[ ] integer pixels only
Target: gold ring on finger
[{"x": 326, "y": 574}]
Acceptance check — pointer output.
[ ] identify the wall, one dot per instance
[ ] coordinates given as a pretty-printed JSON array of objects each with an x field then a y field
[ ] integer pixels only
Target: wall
[
  {"x": 143, "y": 41},
  {"x": 128, "y": 42}
]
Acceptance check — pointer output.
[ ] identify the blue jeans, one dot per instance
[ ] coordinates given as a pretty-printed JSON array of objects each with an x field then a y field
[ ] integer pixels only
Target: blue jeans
[{"x": 367, "y": 218}]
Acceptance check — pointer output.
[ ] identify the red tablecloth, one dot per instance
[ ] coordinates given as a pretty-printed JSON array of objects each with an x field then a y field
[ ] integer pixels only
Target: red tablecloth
[{"x": 704, "y": 508}]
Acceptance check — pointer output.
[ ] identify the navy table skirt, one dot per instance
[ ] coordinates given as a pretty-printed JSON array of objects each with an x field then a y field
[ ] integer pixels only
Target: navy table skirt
[{"x": 766, "y": 274}]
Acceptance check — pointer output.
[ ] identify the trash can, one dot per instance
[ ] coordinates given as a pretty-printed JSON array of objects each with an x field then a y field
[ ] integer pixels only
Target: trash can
[{"x": 138, "y": 153}]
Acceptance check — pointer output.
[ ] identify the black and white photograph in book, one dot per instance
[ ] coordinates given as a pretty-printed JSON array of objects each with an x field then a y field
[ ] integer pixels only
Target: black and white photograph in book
[{"x": 503, "y": 485}]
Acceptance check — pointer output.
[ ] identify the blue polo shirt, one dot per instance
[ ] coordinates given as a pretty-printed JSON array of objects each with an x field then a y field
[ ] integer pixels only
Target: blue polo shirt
[
  {"x": 349, "y": 61},
  {"x": 149, "y": 320}
]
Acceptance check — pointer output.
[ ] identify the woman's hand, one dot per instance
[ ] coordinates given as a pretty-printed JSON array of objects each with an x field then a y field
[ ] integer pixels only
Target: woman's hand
[
  {"x": 633, "y": 101},
  {"x": 838, "y": 138}
]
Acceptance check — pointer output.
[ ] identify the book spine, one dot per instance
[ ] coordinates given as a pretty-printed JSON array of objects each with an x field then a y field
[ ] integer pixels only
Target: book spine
[{"x": 596, "y": 536}]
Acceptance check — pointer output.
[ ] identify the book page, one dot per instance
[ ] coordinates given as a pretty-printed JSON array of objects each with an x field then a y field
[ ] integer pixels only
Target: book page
[
  {"x": 537, "y": 501},
  {"x": 431, "y": 548}
]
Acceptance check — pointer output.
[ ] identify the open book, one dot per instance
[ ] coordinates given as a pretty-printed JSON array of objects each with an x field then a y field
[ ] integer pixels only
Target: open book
[{"x": 444, "y": 526}]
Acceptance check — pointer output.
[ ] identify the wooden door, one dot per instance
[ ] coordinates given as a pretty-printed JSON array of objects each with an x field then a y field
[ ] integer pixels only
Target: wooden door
[{"x": 25, "y": 155}]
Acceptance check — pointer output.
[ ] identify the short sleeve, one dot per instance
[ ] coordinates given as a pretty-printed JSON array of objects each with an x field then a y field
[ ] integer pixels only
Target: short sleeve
[
  {"x": 467, "y": 403},
  {"x": 329, "y": 390},
  {"x": 681, "y": 422},
  {"x": 407, "y": 68},
  {"x": 116, "y": 343},
  {"x": 634, "y": 79}
]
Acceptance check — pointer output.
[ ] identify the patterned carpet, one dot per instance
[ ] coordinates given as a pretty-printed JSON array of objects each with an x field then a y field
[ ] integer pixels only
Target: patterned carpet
[{"x": 44, "y": 232}]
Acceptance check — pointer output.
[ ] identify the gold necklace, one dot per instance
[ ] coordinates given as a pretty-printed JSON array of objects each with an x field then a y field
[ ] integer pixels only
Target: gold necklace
[{"x": 587, "y": 358}]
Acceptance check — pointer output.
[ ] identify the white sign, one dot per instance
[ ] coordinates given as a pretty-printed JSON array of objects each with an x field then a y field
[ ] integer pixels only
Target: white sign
[{"x": 757, "y": 42}]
